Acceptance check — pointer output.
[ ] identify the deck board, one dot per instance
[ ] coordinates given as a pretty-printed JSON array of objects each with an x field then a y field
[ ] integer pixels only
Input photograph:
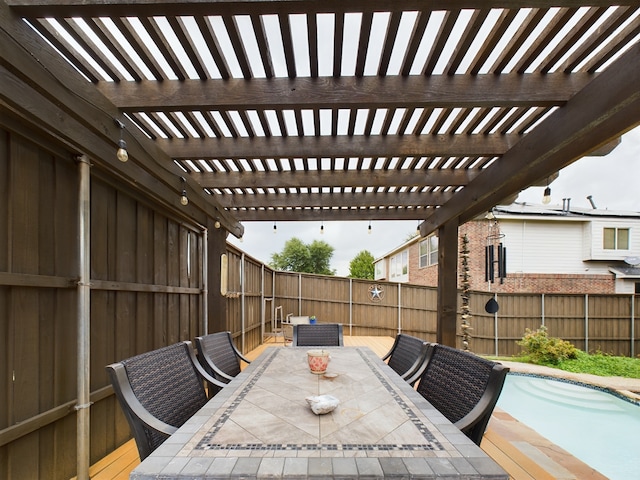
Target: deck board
[{"x": 500, "y": 441}]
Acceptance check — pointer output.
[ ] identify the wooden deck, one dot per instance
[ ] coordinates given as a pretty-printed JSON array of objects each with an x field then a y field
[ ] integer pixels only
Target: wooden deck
[{"x": 523, "y": 453}]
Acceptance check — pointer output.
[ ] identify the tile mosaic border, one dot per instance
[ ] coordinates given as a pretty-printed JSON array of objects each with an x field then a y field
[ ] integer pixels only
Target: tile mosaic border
[{"x": 432, "y": 444}]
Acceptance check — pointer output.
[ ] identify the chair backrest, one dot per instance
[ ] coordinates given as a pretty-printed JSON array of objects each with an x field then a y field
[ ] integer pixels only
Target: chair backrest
[
  {"x": 158, "y": 387},
  {"x": 406, "y": 355},
  {"x": 219, "y": 356},
  {"x": 318, "y": 335},
  {"x": 463, "y": 387}
]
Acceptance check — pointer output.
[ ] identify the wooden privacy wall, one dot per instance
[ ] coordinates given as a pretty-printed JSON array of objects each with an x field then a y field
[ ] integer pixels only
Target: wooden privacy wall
[
  {"x": 605, "y": 323},
  {"x": 146, "y": 282}
]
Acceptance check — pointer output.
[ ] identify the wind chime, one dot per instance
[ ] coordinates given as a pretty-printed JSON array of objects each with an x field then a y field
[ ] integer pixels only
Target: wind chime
[
  {"x": 493, "y": 245},
  {"x": 465, "y": 284}
]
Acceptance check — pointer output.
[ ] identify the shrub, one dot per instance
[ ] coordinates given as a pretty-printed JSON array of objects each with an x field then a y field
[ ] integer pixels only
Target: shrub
[{"x": 544, "y": 349}]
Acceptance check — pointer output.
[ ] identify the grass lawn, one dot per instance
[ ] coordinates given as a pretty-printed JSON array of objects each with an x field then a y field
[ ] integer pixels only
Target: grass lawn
[{"x": 595, "y": 364}]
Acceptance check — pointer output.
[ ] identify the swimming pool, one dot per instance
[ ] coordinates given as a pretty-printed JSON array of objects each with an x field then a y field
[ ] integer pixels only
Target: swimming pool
[{"x": 596, "y": 427}]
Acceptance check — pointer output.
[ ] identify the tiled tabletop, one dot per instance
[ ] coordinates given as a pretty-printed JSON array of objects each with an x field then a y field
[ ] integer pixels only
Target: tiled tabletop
[{"x": 261, "y": 426}]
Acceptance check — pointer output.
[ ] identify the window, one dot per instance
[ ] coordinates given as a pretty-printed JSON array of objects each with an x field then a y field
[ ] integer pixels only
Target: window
[
  {"x": 429, "y": 251},
  {"x": 616, "y": 239},
  {"x": 380, "y": 270},
  {"x": 399, "y": 265}
]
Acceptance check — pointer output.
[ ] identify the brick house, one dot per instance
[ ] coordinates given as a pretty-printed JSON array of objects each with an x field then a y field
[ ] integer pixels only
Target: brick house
[{"x": 547, "y": 249}]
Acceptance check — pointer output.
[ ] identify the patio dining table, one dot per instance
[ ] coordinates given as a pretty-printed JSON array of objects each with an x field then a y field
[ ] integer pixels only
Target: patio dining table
[{"x": 261, "y": 426}]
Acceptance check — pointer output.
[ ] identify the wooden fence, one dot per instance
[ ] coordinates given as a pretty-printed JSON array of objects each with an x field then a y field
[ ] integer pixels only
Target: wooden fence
[
  {"x": 148, "y": 290},
  {"x": 604, "y": 323}
]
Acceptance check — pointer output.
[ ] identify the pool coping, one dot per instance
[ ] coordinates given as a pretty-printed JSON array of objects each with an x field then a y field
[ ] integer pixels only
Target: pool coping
[{"x": 625, "y": 388}]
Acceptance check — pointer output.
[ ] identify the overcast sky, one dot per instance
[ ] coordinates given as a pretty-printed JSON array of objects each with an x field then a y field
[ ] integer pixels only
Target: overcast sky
[{"x": 613, "y": 182}]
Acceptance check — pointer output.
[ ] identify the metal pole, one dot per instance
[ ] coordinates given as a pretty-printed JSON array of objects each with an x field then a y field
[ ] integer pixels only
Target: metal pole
[
  {"x": 586, "y": 323},
  {"x": 299, "y": 294},
  {"x": 399, "y": 308},
  {"x": 84, "y": 319},
  {"x": 205, "y": 281},
  {"x": 633, "y": 316},
  {"x": 350, "y": 306},
  {"x": 242, "y": 298},
  {"x": 495, "y": 323},
  {"x": 263, "y": 306}
]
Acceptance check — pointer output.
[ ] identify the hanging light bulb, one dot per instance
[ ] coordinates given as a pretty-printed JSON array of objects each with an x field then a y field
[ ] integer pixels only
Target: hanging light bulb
[
  {"x": 369, "y": 229},
  {"x": 184, "y": 200},
  {"x": 418, "y": 229},
  {"x": 275, "y": 228},
  {"x": 122, "y": 153},
  {"x": 322, "y": 228},
  {"x": 546, "y": 198}
]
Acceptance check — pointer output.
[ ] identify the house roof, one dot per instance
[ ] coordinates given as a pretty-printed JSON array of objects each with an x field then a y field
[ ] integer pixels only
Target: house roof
[
  {"x": 564, "y": 211},
  {"x": 626, "y": 272},
  {"x": 335, "y": 110}
]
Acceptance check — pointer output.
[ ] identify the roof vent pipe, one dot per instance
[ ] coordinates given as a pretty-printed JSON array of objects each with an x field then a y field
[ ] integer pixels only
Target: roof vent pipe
[
  {"x": 565, "y": 204},
  {"x": 593, "y": 204}
]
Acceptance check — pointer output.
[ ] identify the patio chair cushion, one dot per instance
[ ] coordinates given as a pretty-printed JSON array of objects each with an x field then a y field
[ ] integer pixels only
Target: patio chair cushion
[
  {"x": 463, "y": 387},
  {"x": 318, "y": 335}
]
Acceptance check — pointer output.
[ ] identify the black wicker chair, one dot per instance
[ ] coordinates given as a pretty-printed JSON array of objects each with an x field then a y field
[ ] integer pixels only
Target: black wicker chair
[
  {"x": 159, "y": 391},
  {"x": 406, "y": 356},
  {"x": 318, "y": 335},
  {"x": 463, "y": 387},
  {"x": 219, "y": 356}
]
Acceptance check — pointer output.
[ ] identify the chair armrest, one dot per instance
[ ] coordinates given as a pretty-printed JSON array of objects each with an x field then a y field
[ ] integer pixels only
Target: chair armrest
[
  {"x": 123, "y": 388},
  {"x": 418, "y": 368},
  {"x": 488, "y": 400},
  {"x": 202, "y": 372},
  {"x": 393, "y": 347},
  {"x": 239, "y": 355}
]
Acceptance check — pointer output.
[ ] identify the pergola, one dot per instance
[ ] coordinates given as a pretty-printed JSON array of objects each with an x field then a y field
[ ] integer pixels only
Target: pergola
[
  {"x": 290, "y": 110},
  {"x": 433, "y": 111}
]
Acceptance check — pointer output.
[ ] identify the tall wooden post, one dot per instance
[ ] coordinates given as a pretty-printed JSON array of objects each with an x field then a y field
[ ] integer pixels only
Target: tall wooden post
[
  {"x": 447, "y": 283},
  {"x": 217, "y": 303}
]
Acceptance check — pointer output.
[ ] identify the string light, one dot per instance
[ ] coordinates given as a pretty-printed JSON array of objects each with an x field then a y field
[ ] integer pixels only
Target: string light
[
  {"x": 184, "y": 200},
  {"x": 546, "y": 198},
  {"x": 275, "y": 228},
  {"x": 122, "y": 153},
  {"x": 322, "y": 228},
  {"x": 369, "y": 229}
]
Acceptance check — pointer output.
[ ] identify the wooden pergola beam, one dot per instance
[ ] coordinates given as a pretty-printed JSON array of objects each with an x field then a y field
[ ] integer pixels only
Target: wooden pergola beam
[
  {"x": 528, "y": 90},
  {"x": 199, "y": 7},
  {"x": 331, "y": 214},
  {"x": 337, "y": 178},
  {"x": 316, "y": 200},
  {"x": 375, "y": 146}
]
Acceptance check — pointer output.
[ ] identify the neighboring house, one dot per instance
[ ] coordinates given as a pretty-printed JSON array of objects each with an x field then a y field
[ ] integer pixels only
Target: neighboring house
[{"x": 549, "y": 249}]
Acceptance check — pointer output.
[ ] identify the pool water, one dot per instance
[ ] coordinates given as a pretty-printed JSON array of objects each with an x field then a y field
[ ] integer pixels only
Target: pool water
[{"x": 596, "y": 427}]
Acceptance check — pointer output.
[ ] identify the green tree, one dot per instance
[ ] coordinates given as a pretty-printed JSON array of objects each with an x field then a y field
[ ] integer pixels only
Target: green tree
[
  {"x": 296, "y": 256},
  {"x": 361, "y": 266}
]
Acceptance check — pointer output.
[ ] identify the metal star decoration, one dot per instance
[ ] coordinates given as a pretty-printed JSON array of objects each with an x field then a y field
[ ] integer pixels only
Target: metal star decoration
[{"x": 376, "y": 293}]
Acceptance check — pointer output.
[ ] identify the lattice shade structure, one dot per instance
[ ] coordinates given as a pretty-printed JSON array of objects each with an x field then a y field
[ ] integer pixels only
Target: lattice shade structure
[{"x": 412, "y": 110}]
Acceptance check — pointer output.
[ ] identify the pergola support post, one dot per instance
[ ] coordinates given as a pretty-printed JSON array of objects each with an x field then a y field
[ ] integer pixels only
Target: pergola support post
[
  {"x": 447, "y": 283},
  {"x": 217, "y": 303}
]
